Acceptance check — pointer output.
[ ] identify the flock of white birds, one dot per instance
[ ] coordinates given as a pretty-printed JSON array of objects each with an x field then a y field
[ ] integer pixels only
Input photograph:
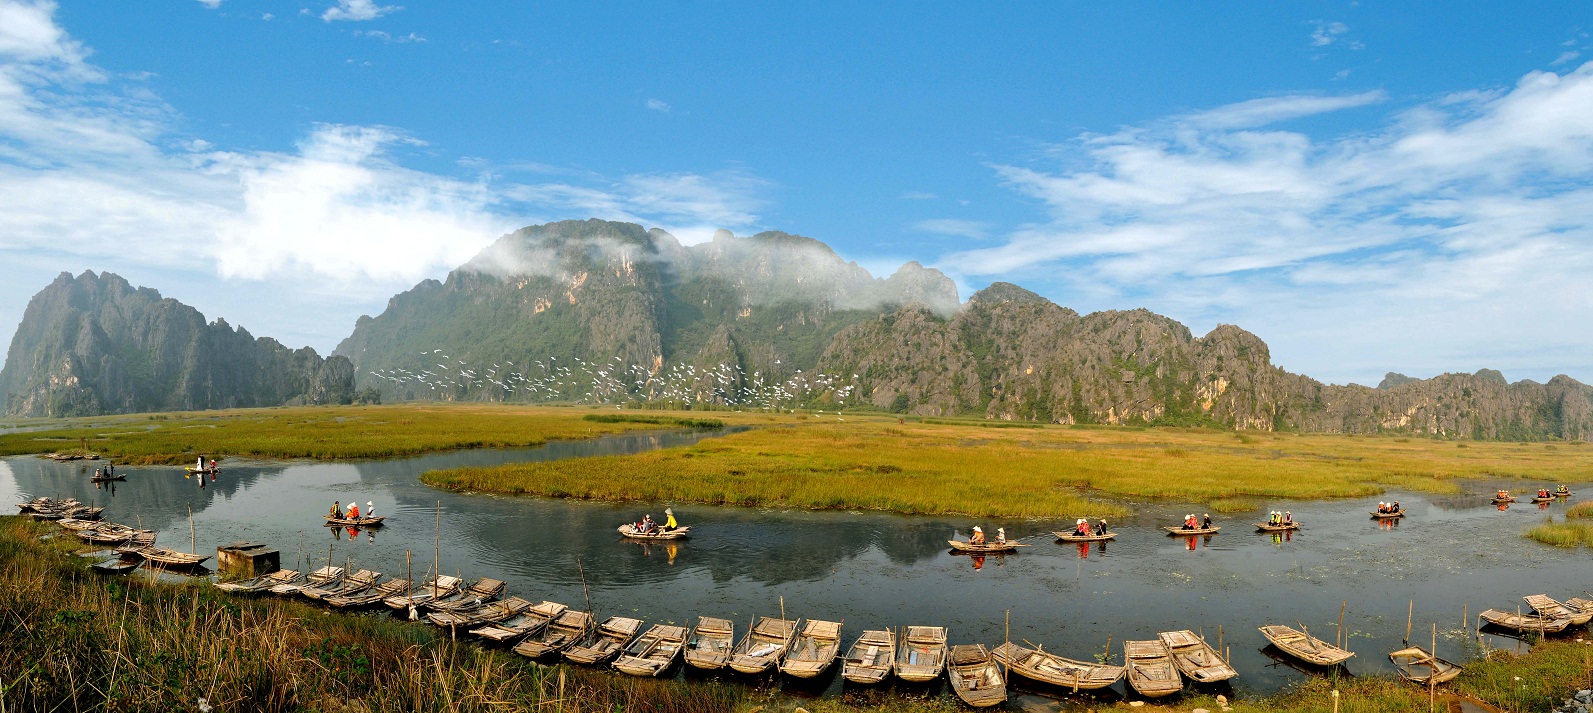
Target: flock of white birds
[{"x": 618, "y": 382}]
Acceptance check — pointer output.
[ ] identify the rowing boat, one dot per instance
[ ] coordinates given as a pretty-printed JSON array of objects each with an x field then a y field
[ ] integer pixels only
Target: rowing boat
[
  {"x": 119, "y": 565},
  {"x": 975, "y": 677},
  {"x": 317, "y": 578},
  {"x": 1150, "y": 669},
  {"x": 988, "y": 547},
  {"x": 170, "y": 557},
  {"x": 814, "y": 650},
  {"x": 1542, "y": 604},
  {"x": 483, "y": 590},
  {"x": 352, "y": 584},
  {"x": 370, "y": 597},
  {"x": 203, "y": 471},
  {"x": 1197, "y": 531},
  {"x": 605, "y": 641},
  {"x": 261, "y": 583},
  {"x": 106, "y": 478},
  {"x": 1524, "y": 622},
  {"x": 76, "y": 525},
  {"x": 1070, "y": 537},
  {"x": 1543, "y": 499},
  {"x": 1269, "y": 527},
  {"x": 871, "y": 657},
  {"x": 527, "y": 623},
  {"x": 112, "y": 534},
  {"x": 1579, "y": 606},
  {"x": 763, "y": 645},
  {"x": 653, "y": 652},
  {"x": 1502, "y": 501},
  {"x": 1565, "y": 494},
  {"x": 710, "y": 643},
  {"x": 353, "y": 521},
  {"x": 487, "y": 613},
  {"x": 1306, "y": 648},
  {"x": 1414, "y": 664},
  {"x": 433, "y": 588},
  {"x": 143, "y": 539},
  {"x": 570, "y": 627},
  {"x": 1037, "y": 665},
  {"x": 922, "y": 655},
  {"x": 1388, "y": 515},
  {"x": 630, "y": 531},
  {"x": 1197, "y": 660}
]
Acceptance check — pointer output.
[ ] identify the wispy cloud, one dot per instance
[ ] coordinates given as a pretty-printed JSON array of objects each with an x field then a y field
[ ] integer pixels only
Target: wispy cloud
[
  {"x": 1326, "y": 33},
  {"x": 1260, "y": 112},
  {"x": 954, "y": 227},
  {"x": 389, "y": 38},
  {"x": 1565, "y": 57},
  {"x": 658, "y": 106},
  {"x": 357, "y": 10},
  {"x": 212, "y": 4},
  {"x": 918, "y": 196}
]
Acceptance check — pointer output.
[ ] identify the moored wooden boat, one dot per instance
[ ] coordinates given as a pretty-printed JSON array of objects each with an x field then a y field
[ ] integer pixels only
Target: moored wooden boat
[
  {"x": 317, "y": 578},
  {"x": 1309, "y": 649},
  {"x": 119, "y": 565},
  {"x": 354, "y": 522},
  {"x": 433, "y": 588},
  {"x": 1524, "y": 622},
  {"x": 975, "y": 677},
  {"x": 1579, "y": 606},
  {"x": 1542, "y": 604},
  {"x": 1181, "y": 530},
  {"x": 560, "y": 634},
  {"x": 1388, "y": 515},
  {"x": 481, "y": 591},
  {"x": 629, "y": 530},
  {"x": 527, "y": 623},
  {"x": 34, "y": 504},
  {"x": 1150, "y": 669},
  {"x": 1197, "y": 660},
  {"x": 352, "y": 584},
  {"x": 76, "y": 525},
  {"x": 988, "y": 547},
  {"x": 763, "y": 645},
  {"x": 1071, "y": 537},
  {"x": 261, "y": 583},
  {"x": 171, "y": 558},
  {"x": 487, "y": 613},
  {"x": 143, "y": 539},
  {"x": 1269, "y": 527},
  {"x": 653, "y": 652},
  {"x": 604, "y": 641},
  {"x": 922, "y": 655},
  {"x": 112, "y": 534},
  {"x": 711, "y": 643},
  {"x": 814, "y": 650},
  {"x": 370, "y": 597},
  {"x": 1414, "y": 664},
  {"x": 1037, "y": 665},
  {"x": 871, "y": 657}
]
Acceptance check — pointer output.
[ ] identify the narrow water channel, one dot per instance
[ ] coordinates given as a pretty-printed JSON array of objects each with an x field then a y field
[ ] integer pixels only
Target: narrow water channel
[{"x": 1453, "y": 554}]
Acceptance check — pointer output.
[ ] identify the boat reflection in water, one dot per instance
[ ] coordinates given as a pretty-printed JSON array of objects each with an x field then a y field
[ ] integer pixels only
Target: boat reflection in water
[
  {"x": 671, "y": 548},
  {"x": 1279, "y": 538}
]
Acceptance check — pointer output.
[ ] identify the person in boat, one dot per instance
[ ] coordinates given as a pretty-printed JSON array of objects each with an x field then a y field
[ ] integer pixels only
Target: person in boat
[
  {"x": 1001, "y": 535},
  {"x": 1382, "y": 508},
  {"x": 1288, "y": 519},
  {"x": 1206, "y": 521},
  {"x": 1189, "y": 522},
  {"x": 669, "y": 520},
  {"x": 1081, "y": 527},
  {"x": 201, "y": 464},
  {"x": 1543, "y": 492},
  {"x": 1100, "y": 528},
  {"x": 1562, "y": 490},
  {"x": 1502, "y": 495},
  {"x": 978, "y": 537},
  {"x": 648, "y": 526},
  {"x": 1393, "y": 506},
  {"x": 370, "y": 509},
  {"x": 336, "y": 511},
  {"x": 353, "y": 511}
]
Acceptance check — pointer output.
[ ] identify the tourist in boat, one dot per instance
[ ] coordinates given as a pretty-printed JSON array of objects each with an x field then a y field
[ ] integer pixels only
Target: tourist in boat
[
  {"x": 1001, "y": 535},
  {"x": 370, "y": 509},
  {"x": 648, "y": 526},
  {"x": 353, "y": 511},
  {"x": 96, "y": 472},
  {"x": 1382, "y": 508},
  {"x": 336, "y": 511},
  {"x": 1288, "y": 518},
  {"x": 1206, "y": 521},
  {"x": 1563, "y": 490},
  {"x": 669, "y": 520},
  {"x": 1081, "y": 527},
  {"x": 1190, "y": 523},
  {"x": 978, "y": 537}
]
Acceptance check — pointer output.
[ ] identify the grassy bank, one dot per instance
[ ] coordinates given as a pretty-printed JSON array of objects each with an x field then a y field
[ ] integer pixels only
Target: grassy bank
[
  {"x": 1575, "y": 531},
  {"x": 73, "y": 641},
  {"x": 331, "y": 432},
  {"x": 946, "y": 467}
]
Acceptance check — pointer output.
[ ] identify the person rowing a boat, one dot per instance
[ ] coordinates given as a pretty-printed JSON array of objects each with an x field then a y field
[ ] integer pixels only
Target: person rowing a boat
[
  {"x": 1207, "y": 521},
  {"x": 1001, "y": 535},
  {"x": 978, "y": 537},
  {"x": 669, "y": 520},
  {"x": 1393, "y": 507},
  {"x": 1100, "y": 530}
]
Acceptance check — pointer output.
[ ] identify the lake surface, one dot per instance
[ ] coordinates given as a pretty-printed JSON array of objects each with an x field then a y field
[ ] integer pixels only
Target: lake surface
[{"x": 1453, "y": 554}]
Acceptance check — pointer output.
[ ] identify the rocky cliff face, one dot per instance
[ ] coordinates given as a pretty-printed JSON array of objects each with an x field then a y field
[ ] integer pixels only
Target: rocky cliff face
[{"x": 94, "y": 344}]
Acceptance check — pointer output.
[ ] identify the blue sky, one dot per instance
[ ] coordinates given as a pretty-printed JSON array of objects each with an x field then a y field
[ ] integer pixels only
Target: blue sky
[{"x": 1367, "y": 187}]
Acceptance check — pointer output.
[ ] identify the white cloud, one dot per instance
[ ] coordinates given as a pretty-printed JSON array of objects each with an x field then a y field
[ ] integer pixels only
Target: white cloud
[
  {"x": 212, "y": 4},
  {"x": 357, "y": 10},
  {"x": 954, "y": 227},
  {"x": 658, "y": 106},
  {"x": 918, "y": 196},
  {"x": 1459, "y": 225},
  {"x": 1326, "y": 33},
  {"x": 389, "y": 38},
  {"x": 1565, "y": 57}
]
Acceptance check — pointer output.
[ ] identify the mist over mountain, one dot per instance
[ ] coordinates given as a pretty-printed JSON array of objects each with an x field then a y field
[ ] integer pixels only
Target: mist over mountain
[{"x": 94, "y": 344}]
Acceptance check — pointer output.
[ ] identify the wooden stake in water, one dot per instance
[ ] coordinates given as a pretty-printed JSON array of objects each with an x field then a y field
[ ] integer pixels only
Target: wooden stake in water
[
  {"x": 1343, "y": 604},
  {"x": 1432, "y": 674},
  {"x": 1219, "y": 641},
  {"x": 437, "y": 543},
  {"x": 1408, "y": 615},
  {"x": 193, "y": 548},
  {"x": 1005, "y": 668},
  {"x": 409, "y": 573},
  {"x": 584, "y": 591}
]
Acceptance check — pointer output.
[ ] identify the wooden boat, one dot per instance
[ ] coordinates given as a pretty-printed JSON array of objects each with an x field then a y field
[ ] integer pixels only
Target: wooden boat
[
  {"x": 76, "y": 525},
  {"x": 1150, "y": 669},
  {"x": 1542, "y": 604},
  {"x": 653, "y": 652},
  {"x": 487, "y": 613},
  {"x": 352, "y": 584},
  {"x": 482, "y": 590},
  {"x": 710, "y": 643},
  {"x": 102, "y": 478},
  {"x": 560, "y": 634},
  {"x": 1180, "y": 530},
  {"x": 922, "y": 655},
  {"x": 1579, "y": 606},
  {"x": 1306, "y": 648},
  {"x": 975, "y": 676},
  {"x": 170, "y": 557},
  {"x": 527, "y": 622},
  {"x": 1269, "y": 527},
  {"x": 1565, "y": 494},
  {"x": 119, "y": 565},
  {"x": 370, "y": 597},
  {"x": 1414, "y": 664},
  {"x": 1501, "y": 501},
  {"x": 143, "y": 539},
  {"x": 113, "y": 534},
  {"x": 1070, "y": 537},
  {"x": 1524, "y": 622},
  {"x": 1543, "y": 499},
  {"x": 1037, "y": 665},
  {"x": 36, "y": 503},
  {"x": 212, "y": 470},
  {"x": 987, "y": 548},
  {"x": 261, "y": 583},
  {"x": 763, "y": 645},
  {"x": 317, "y": 578},
  {"x": 871, "y": 657},
  {"x": 629, "y": 530},
  {"x": 433, "y": 588},
  {"x": 1388, "y": 515},
  {"x": 1197, "y": 660},
  {"x": 814, "y": 650},
  {"x": 354, "y": 522},
  {"x": 604, "y": 642}
]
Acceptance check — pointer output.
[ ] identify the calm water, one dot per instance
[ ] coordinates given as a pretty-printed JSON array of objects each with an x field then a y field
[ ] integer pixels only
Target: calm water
[{"x": 876, "y": 570}]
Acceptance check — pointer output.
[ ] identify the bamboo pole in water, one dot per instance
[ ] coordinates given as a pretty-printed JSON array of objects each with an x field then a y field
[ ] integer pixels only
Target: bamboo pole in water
[
  {"x": 437, "y": 544},
  {"x": 1219, "y": 642},
  {"x": 1408, "y": 615},
  {"x": 1008, "y": 666},
  {"x": 193, "y": 547},
  {"x": 1343, "y": 604},
  {"x": 1432, "y": 674}
]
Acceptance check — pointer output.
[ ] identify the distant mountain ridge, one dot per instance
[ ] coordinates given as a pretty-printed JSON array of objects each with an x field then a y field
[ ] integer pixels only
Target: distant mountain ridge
[{"x": 94, "y": 344}]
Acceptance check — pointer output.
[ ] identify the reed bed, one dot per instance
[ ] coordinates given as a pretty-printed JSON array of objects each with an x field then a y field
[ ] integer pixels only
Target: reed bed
[
  {"x": 1580, "y": 511},
  {"x": 73, "y": 641},
  {"x": 1563, "y": 534}
]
